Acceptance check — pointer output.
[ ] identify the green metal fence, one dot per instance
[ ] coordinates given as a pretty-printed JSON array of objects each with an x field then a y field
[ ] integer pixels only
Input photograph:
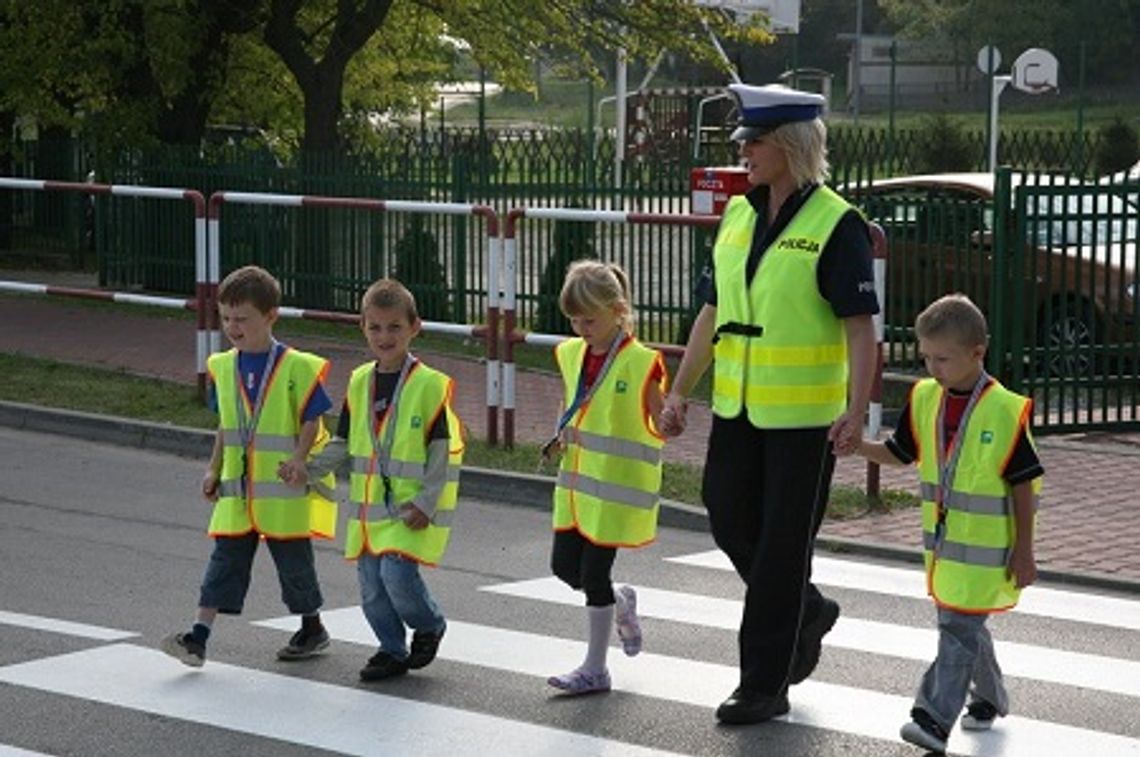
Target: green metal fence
[{"x": 1062, "y": 327}]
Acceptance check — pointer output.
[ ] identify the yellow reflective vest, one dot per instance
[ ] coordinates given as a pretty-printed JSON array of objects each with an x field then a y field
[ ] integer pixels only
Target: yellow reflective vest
[
  {"x": 250, "y": 495},
  {"x": 377, "y": 527},
  {"x": 609, "y": 479},
  {"x": 780, "y": 352},
  {"x": 967, "y": 558}
]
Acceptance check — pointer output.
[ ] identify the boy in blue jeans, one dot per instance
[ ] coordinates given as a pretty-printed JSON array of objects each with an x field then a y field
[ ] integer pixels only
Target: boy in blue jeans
[
  {"x": 404, "y": 447},
  {"x": 269, "y": 399},
  {"x": 980, "y": 482}
]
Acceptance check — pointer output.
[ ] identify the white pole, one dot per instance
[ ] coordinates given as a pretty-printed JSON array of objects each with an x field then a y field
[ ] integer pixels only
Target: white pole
[
  {"x": 619, "y": 142},
  {"x": 995, "y": 93}
]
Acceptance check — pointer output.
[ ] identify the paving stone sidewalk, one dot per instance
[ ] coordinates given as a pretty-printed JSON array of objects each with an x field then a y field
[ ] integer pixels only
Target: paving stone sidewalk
[{"x": 1088, "y": 500}]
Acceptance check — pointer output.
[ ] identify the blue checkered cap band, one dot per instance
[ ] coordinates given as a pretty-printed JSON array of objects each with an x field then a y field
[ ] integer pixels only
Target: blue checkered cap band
[{"x": 764, "y": 108}]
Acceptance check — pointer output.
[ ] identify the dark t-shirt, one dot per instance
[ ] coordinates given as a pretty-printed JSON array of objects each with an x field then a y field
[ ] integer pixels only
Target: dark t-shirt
[
  {"x": 385, "y": 388},
  {"x": 844, "y": 274},
  {"x": 592, "y": 365},
  {"x": 1023, "y": 465}
]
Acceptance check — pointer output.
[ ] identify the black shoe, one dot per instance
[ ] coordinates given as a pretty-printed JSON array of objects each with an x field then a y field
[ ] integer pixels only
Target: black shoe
[
  {"x": 424, "y": 646},
  {"x": 383, "y": 665},
  {"x": 810, "y": 643},
  {"x": 924, "y": 732},
  {"x": 743, "y": 708},
  {"x": 304, "y": 645},
  {"x": 182, "y": 647},
  {"x": 979, "y": 716}
]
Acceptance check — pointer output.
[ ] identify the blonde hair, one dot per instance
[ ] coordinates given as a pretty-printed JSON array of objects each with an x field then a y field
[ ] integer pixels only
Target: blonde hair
[
  {"x": 804, "y": 144},
  {"x": 953, "y": 316},
  {"x": 251, "y": 284},
  {"x": 389, "y": 293},
  {"x": 591, "y": 286}
]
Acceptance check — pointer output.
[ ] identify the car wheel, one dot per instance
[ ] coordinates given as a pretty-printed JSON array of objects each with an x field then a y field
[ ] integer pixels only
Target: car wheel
[{"x": 1067, "y": 339}]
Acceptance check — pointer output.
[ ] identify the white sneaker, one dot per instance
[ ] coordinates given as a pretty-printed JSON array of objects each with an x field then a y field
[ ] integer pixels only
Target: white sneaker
[{"x": 625, "y": 619}]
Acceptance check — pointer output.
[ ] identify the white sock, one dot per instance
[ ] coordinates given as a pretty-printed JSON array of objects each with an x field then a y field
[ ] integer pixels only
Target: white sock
[{"x": 601, "y": 626}]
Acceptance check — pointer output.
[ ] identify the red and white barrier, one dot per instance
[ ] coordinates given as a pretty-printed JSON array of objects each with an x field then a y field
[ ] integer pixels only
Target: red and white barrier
[
  {"x": 875, "y": 407},
  {"x": 511, "y": 335},
  {"x": 196, "y": 199},
  {"x": 488, "y": 332}
]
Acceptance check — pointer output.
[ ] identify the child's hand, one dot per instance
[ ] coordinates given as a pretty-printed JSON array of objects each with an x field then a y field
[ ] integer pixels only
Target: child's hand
[
  {"x": 414, "y": 517},
  {"x": 210, "y": 485},
  {"x": 293, "y": 472},
  {"x": 673, "y": 416},
  {"x": 1022, "y": 566}
]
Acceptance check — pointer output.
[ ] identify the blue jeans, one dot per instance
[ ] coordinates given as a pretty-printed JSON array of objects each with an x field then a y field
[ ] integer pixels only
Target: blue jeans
[
  {"x": 393, "y": 595},
  {"x": 965, "y": 656},
  {"x": 228, "y": 573}
]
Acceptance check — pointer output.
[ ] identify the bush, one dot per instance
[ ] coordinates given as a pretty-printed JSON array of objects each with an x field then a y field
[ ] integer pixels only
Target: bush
[
  {"x": 942, "y": 145},
  {"x": 1117, "y": 147},
  {"x": 419, "y": 268},
  {"x": 573, "y": 240}
]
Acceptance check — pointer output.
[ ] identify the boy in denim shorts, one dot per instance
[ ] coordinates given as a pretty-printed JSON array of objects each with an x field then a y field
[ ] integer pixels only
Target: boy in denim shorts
[{"x": 269, "y": 399}]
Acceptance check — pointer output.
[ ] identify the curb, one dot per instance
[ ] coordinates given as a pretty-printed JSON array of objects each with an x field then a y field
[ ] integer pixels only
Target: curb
[{"x": 527, "y": 490}]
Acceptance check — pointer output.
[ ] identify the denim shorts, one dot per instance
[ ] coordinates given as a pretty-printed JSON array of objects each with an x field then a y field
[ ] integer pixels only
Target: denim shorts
[{"x": 228, "y": 573}]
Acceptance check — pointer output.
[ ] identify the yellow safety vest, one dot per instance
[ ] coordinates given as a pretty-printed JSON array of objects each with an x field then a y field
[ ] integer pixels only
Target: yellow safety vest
[
  {"x": 377, "y": 527},
  {"x": 265, "y": 503},
  {"x": 609, "y": 479},
  {"x": 967, "y": 569},
  {"x": 780, "y": 351}
]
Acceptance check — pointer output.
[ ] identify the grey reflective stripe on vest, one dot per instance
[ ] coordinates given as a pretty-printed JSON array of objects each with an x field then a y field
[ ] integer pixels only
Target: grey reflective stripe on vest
[
  {"x": 396, "y": 468},
  {"x": 453, "y": 473},
  {"x": 984, "y": 557},
  {"x": 624, "y": 495},
  {"x": 979, "y": 504},
  {"x": 609, "y": 445},
  {"x": 322, "y": 489},
  {"x": 263, "y": 489},
  {"x": 379, "y": 514},
  {"x": 261, "y": 442}
]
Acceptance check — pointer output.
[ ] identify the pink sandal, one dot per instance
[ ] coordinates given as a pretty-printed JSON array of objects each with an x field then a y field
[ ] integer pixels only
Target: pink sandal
[{"x": 581, "y": 681}]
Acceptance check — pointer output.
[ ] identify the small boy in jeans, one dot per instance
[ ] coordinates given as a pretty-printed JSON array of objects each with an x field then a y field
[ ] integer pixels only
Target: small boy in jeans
[
  {"x": 269, "y": 399},
  {"x": 404, "y": 446},
  {"x": 980, "y": 482}
]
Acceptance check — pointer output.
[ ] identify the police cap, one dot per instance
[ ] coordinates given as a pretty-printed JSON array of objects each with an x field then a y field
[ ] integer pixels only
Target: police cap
[{"x": 762, "y": 109}]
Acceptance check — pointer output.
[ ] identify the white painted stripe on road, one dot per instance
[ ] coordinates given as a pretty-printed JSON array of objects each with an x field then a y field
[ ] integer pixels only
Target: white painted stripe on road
[
  {"x": 819, "y": 705},
  {"x": 65, "y": 627},
  {"x": 6, "y": 750},
  {"x": 909, "y": 582},
  {"x": 1114, "y": 675},
  {"x": 286, "y": 708}
]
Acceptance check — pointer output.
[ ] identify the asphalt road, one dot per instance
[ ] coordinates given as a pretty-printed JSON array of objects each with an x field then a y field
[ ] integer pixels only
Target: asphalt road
[{"x": 111, "y": 539}]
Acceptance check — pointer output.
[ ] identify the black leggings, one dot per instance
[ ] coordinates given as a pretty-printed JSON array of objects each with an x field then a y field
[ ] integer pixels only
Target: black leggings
[{"x": 584, "y": 565}]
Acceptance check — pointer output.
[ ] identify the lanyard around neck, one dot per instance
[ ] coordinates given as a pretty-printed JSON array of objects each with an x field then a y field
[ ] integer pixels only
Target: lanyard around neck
[
  {"x": 583, "y": 395},
  {"x": 382, "y": 445},
  {"x": 247, "y": 422},
  {"x": 948, "y": 459}
]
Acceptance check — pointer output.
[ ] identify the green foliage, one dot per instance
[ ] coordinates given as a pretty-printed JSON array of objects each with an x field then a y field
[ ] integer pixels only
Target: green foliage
[
  {"x": 418, "y": 267},
  {"x": 573, "y": 240},
  {"x": 1117, "y": 149},
  {"x": 942, "y": 145}
]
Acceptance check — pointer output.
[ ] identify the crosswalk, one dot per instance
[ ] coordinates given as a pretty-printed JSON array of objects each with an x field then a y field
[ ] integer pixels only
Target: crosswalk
[{"x": 117, "y": 669}]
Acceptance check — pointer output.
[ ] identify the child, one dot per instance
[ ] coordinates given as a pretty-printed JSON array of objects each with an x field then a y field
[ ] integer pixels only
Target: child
[
  {"x": 980, "y": 480},
  {"x": 269, "y": 399},
  {"x": 608, "y": 481},
  {"x": 405, "y": 445}
]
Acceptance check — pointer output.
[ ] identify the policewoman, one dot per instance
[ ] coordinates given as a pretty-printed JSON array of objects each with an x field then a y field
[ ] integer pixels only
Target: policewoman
[{"x": 786, "y": 320}]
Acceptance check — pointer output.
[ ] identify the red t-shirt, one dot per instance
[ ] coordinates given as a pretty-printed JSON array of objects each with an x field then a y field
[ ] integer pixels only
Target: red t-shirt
[{"x": 593, "y": 365}]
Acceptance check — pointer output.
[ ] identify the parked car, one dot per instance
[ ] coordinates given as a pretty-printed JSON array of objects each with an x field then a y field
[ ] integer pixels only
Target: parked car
[{"x": 1078, "y": 274}]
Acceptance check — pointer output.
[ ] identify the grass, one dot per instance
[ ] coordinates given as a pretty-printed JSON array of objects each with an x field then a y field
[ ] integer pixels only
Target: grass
[{"x": 114, "y": 392}]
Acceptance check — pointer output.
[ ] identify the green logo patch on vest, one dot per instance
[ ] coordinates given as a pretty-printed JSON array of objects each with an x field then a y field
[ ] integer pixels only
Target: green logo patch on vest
[
  {"x": 417, "y": 421},
  {"x": 987, "y": 437},
  {"x": 621, "y": 386}
]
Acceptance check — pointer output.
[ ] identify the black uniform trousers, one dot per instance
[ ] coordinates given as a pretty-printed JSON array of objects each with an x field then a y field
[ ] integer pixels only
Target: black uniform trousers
[{"x": 766, "y": 491}]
